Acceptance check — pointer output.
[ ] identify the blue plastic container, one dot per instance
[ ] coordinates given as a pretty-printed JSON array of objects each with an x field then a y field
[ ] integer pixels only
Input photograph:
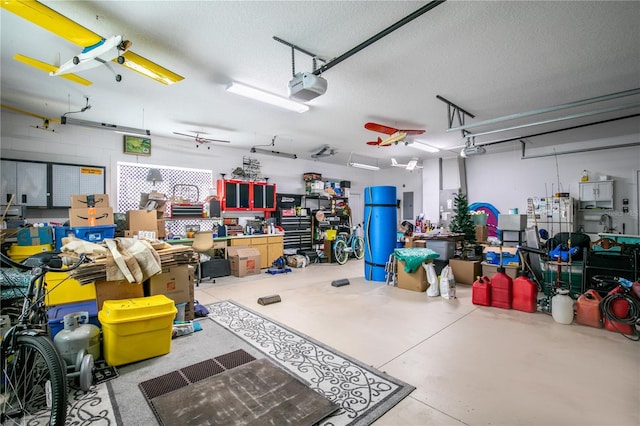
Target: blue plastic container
[
  {"x": 59, "y": 232},
  {"x": 56, "y": 314},
  {"x": 94, "y": 234},
  {"x": 380, "y": 230}
]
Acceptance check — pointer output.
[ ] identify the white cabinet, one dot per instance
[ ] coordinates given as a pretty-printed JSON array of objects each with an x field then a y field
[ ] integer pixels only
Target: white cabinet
[
  {"x": 68, "y": 180},
  {"x": 596, "y": 195},
  {"x": 26, "y": 180}
]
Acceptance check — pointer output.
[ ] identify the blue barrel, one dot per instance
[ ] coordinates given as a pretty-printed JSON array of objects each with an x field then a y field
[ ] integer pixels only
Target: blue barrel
[{"x": 380, "y": 223}]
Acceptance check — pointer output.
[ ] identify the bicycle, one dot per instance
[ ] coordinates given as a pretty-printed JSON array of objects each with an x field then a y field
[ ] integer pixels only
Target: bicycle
[
  {"x": 34, "y": 373},
  {"x": 348, "y": 244}
]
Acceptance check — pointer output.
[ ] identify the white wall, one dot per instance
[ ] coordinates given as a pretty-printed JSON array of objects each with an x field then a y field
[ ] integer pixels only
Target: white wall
[
  {"x": 502, "y": 179},
  {"x": 506, "y": 181},
  {"x": 86, "y": 146}
]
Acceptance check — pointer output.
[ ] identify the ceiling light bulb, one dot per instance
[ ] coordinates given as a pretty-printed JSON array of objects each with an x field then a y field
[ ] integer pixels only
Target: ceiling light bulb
[
  {"x": 269, "y": 98},
  {"x": 423, "y": 147}
]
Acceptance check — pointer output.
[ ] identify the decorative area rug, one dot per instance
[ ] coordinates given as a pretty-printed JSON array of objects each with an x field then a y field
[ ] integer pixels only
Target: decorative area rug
[
  {"x": 84, "y": 408},
  {"x": 254, "y": 393},
  {"x": 363, "y": 393}
]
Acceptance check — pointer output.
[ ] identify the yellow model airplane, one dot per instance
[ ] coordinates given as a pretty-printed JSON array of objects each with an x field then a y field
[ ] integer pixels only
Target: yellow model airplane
[
  {"x": 46, "y": 121},
  {"x": 96, "y": 49}
]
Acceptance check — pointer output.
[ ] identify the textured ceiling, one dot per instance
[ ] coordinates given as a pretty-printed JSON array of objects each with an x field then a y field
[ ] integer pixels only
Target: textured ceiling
[{"x": 490, "y": 58}]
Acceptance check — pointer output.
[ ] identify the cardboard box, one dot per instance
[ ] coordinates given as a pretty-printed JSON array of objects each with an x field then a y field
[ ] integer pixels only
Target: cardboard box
[
  {"x": 154, "y": 201},
  {"x": 117, "y": 290},
  {"x": 244, "y": 260},
  {"x": 512, "y": 222},
  {"x": 142, "y": 220},
  {"x": 416, "y": 280},
  {"x": 465, "y": 271},
  {"x": 35, "y": 236},
  {"x": 90, "y": 216},
  {"x": 162, "y": 230},
  {"x": 489, "y": 270},
  {"x": 174, "y": 282},
  {"x": 91, "y": 200},
  {"x": 482, "y": 233}
]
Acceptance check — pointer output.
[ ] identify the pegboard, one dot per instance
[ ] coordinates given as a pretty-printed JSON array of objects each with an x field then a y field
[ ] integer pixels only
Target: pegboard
[{"x": 132, "y": 181}]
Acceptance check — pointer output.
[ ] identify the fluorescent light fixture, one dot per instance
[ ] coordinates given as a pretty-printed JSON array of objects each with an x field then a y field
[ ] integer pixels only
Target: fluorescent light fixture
[
  {"x": 274, "y": 153},
  {"x": 104, "y": 126},
  {"x": 269, "y": 98},
  {"x": 363, "y": 166},
  {"x": 423, "y": 146}
]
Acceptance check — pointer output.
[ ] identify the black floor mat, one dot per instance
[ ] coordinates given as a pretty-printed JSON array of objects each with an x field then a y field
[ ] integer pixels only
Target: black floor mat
[{"x": 177, "y": 379}]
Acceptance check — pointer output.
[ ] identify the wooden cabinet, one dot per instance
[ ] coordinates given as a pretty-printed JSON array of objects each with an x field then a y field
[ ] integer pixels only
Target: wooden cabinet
[
  {"x": 26, "y": 181},
  {"x": 239, "y": 195},
  {"x": 269, "y": 246},
  {"x": 596, "y": 195},
  {"x": 275, "y": 248}
]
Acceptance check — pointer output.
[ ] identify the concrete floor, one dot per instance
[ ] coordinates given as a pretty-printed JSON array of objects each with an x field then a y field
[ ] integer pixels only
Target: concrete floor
[{"x": 471, "y": 365}]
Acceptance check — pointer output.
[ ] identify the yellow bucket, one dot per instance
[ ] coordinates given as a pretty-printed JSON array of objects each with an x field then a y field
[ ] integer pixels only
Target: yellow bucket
[
  {"x": 19, "y": 253},
  {"x": 331, "y": 234}
]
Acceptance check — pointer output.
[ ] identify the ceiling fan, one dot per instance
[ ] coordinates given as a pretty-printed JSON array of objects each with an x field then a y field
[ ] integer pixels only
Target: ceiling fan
[
  {"x": 96, "y": 51},
  {"x": 199, "y": 139},
  {"x": 411, "y": 165},
  {"x": 395, "y": 135},
  {"x": 324, "y": 151}
]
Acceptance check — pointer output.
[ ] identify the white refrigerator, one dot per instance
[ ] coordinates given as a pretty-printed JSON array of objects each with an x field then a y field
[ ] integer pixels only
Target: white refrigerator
[{"x": 555, "y": 214}]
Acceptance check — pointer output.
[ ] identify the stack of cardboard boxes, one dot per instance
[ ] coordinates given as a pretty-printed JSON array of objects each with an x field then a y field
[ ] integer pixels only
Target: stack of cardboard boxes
[
  {"x": 90, "y": 210},
  {"x": 150, "y": 218}
]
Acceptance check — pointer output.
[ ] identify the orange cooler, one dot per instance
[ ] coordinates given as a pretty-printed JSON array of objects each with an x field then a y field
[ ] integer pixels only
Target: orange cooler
[{"x": 136, "y": 329}]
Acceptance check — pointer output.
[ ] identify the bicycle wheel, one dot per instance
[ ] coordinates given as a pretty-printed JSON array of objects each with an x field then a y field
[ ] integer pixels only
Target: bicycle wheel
[
  {"x": 340, "y": 252},
  {"x": 358, "y": 247},
  {"x": 34, "y": 383}
]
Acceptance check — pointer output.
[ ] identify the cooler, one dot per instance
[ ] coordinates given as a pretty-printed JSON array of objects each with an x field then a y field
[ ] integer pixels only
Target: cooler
[{"x": 136, "y": 329}]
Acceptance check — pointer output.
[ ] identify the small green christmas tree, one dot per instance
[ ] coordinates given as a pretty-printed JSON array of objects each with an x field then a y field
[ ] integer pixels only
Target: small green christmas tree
[{"x": 461, "y": 221}]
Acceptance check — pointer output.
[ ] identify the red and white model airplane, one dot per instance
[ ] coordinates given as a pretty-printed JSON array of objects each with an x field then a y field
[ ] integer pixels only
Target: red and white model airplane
[{"x": 395, "y": 135}]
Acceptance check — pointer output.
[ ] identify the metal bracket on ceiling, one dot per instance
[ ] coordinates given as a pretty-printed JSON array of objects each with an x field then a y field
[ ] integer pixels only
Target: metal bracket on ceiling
[
  {"x": 314, "y": 58},
  {"x": 453, "y": 112}
]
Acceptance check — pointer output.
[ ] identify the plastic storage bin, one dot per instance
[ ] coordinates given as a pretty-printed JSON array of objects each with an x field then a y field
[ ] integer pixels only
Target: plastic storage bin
[
  {"x": 59, "y": 232},
  {"x": 62, "y": 289},
  {"x": 94, "y": 234},
  {"x": 19, "y": 253},
  {"x": 136, "y": 329},
  {"x": 445, "y": 249},
  {"x": 56, "y": 314}
]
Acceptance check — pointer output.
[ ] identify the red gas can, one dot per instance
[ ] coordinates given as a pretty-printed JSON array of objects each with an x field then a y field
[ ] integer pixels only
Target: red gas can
[
  {"x": 620, "y": 309},
  {"x": 587, "y": 309},
  {"x": 481, "y": 292},
  {"x": 525, "y": 293},
  {"x": 501, "y": 289}
]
